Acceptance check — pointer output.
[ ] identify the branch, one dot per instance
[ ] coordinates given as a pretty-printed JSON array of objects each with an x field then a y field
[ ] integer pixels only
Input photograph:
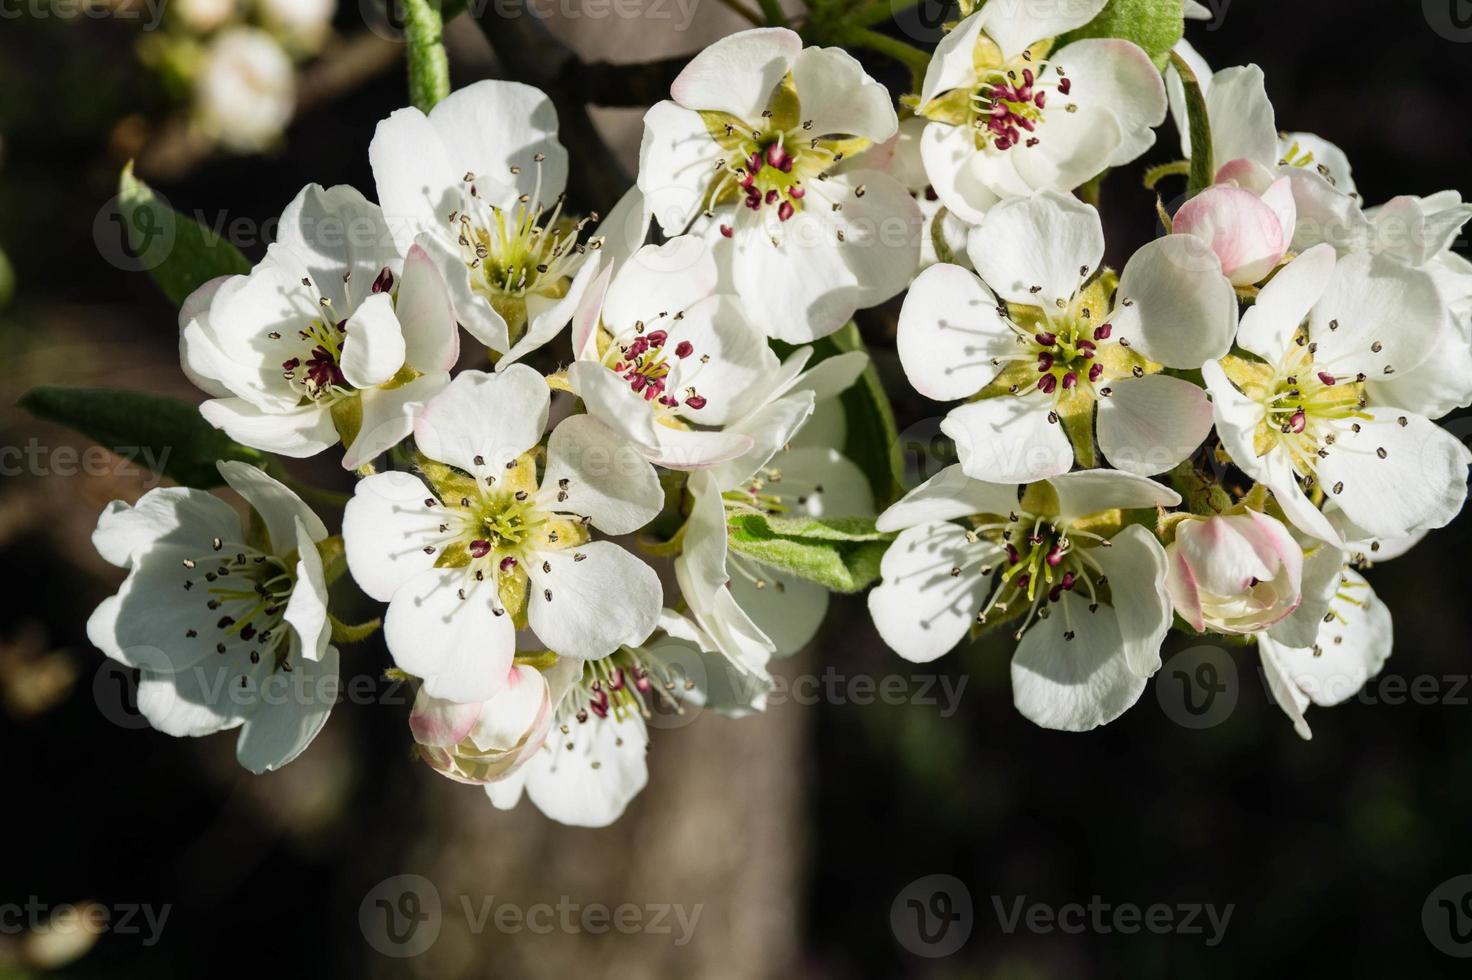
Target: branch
[{"x": 429, "y": 67}]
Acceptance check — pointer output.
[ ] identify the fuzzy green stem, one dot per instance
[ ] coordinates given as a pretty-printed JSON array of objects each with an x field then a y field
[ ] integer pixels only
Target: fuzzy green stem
[{"x": 429, "y": 66}]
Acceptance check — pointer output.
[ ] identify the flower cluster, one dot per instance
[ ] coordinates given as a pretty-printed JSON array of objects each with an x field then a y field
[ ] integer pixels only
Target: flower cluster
[
  {"x": 1218, "y": 436},
  {"x": 630, "y": 492}
]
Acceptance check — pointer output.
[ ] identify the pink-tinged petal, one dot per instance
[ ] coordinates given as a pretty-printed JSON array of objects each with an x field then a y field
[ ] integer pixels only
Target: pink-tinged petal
[
  {"x": 437, "y": 722},
  {"x": 1243, "y": 231}
]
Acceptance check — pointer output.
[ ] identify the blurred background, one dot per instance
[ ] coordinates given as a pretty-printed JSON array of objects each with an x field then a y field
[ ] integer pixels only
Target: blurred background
[{"x": 883, "y": 819}]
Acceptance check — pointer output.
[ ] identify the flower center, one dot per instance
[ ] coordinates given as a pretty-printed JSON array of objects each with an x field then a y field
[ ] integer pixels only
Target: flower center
[
  {"x": 313, "y": 366},
  {"x": 244, "y": 593},
  {"x": 625, "y": 683},
  {"x": 1306, "y": 405},
  {"x": 1010, "y": 100},
  {"x": 513, "y": 254},
  {"x": 662, "y": 373}
]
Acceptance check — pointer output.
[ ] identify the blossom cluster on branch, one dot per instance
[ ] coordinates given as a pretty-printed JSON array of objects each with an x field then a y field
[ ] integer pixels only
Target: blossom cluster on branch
[{"x": 663, "y": 446}]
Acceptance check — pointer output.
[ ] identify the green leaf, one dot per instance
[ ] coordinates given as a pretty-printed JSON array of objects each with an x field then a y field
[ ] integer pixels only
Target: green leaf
[
  {"x": 7, "y": 281},
  {"x": 1155, "y": 25},
  {"x": 352, "y": 633},
  {"x": 180, "y": 253},
  {"x": 873, "y": 441},
  {"x": 1203, "y": 168},
  {"x": 842, "y": 554},
  {"x": 429, "y": 66},
  {"x": 167, "y": 436}
]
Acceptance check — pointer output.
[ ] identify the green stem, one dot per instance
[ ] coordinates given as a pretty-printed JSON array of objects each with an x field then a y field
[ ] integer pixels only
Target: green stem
[
  {"x": 903, "y": 52},
  {"x": 746, "y": 12},
  {"x": 429, "y": 66},
  {"x": 772, "y": 11},
  {"x": 879, "y": 11},
  {"x": 1202, "y": 170}
]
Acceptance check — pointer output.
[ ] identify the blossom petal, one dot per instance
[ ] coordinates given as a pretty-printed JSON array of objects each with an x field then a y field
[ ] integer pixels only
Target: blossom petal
[
  {"x": 388, "y": 417},
  {"x": 1351, "y": 647},
  {"x": 1284, "y": 303},
  {"x": 1015, "y": 26},
  {"x": 948, "y": 495},
  {"x": 1135, "y": 565},
  {"x": 950, "y": 333},
  {"x": 342, "y": 239},
  {"x": 591, "y": 783},
  {"x": 306, "y": 610},
  {"x": 1088, "y": 492},
  {"x": 677, "y": 158},
  {"x": 948, "y": 152},
  {"x": 838, "y": 97},
  {"x": 461, "y": 648},
  {"x": 921, "y": 609},
  {"x": 605, "y": 478},
  {"x": 953, "y": 64},
  {"x": 373, "y": 349},
  {"x": 738, "y": 73},
  {"x": 1246, "y": 234},
  {"x": 1385, "y": 314},
  {"x": 1079, "y": 684},
  {"x": 291, "y": 710},
  {"x": 1045, "y": 241},
  {"x": 299, "y": 433},
  {"x": 1243, "y": 124},
  {"x": 1009, "y": 439},
  {"x": 386, "y": 527},
  {"x": 589, "y": 606},
  {"x": 483, "y": 421},
  {"x": 1119, "y": 74},
  {"x": 1072, "y": 147},
  {"x": 164, "y": 519},
  {"x": 1183, "y": 311},
  {"x": 280, "y": 508},
  {"x": 497, "y": 129},
  {"x": 1150, "y": 424},
  {"x": 426, "y": 315},
  {"x": 417, "y": 178}
]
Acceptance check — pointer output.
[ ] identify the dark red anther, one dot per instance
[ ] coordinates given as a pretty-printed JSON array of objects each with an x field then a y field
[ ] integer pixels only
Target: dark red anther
[
  {"x": 771, "y": 197},
  {"x": 684, "y": 349},
  {"x": 1065, "y": 85},
  {"x": 1297, "y": 421},
  {"x": 480, "y": 547},
  {"x": 1045, "y": 339},
  {"x": 1055, "y": 556},
  {"x": 1012, "y": 556},
  {"x": 696, "y": 402},
  {"x": 385, "y": 281},
  {"x": 1327, "y": 378},
  {"x": 726, "y": 231},
  {"x": 1070, "y": 379},
  {"x": 507, "y": 564},
  {"x": 1096, "y": 371},
  {"x": 1023, "y": 580},
  {"x": 657, "y": 338},
  {"x": 1103, "y": 331},
  {"x": 784, "y": 211},
  {"x": 616, "y": 679},
  {"x": 1048, "y": 383},
  {"x": 775, "y": 155},
  {"x": 797, "y": 192},
  {"x": 1045, "y": 361}
]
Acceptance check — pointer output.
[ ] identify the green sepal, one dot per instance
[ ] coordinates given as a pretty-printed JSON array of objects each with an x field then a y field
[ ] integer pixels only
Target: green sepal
[
  {"x": 180, "y": 253},
  {"x": 841, "y": 554},
  {"x": 1202, "y": 170},
  {"x": 355, "y": 633},
  {"x": 1154, "y": 25}
]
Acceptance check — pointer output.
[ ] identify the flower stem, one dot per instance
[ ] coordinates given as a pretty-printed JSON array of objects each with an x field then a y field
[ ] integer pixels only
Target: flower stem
[
  {"x": 772, "y": 11},
  {"x": 903, "y": 52},
  {"x": 429, "y": 66}
]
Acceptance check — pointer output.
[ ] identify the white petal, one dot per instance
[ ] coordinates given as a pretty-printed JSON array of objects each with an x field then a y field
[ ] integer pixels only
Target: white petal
[
  {"x": 424, "y": 311},
  {"x": 388, "y": 417},
  {"x": 838, "y": 97},
  {"x": 1350, "y": 648},
  {"x": 1008, "y": 439},
  {"x": 1089, "y": 492},
  {"x": 387, "y": 525},
  {"x": 1284, "y": 303},
  {"x": 1016, "y": 25},
  {"x": 682, "y": 449},
  {"x": 277, "y": 504},
  {"x": 1183, "y": 311},
  {"x": 785, "y": 608},
  {"x": 373, "y": 350},
  {"x": 291, "y": 710},
  {"x": 610, "y": 399},
  {"x": 461, "y": 648},
  {"x": 306, "y": 610},
  {"x": 798, "y": 287},
  {"x": 770, "y": 428},
  {"x": 1042, "y": 240},
  {"x": 921, "y": 609},
  {"x": 337, "y": 232},
  {"x": 590, "y": 783},
  {"x": 166, "y": 518},
  {"x": 199, "y": 355},
  {"x": 607, "y": 479},
  {"x": 1421, "y": 481},
  {"x": 1280, "y": 683},
  {"x": 1072, "y": 147},
  {"x": 1118, "y": 74},
  {"x": 1079, "y": 684},
  {"x": 1243, "y": 123},
  {"x": 729, "y": 358},
  {"x": 493, "y": 126},
  {"x": 418, "y": 180},
  {"x": 668, "y": 279},
  {"x": 737, "y": 73},
  {"x": 483, "y": 421},
  {"x": 676, "y": 161},
  {"x": 1385, "y": 314},
  {"x": 1135, "y": 566},
  {"x": 949, "y": 334},
  {"x": 820, "y": 481},
  {"x": 948, "y": 495},
  {"x": 953, "y": 65},
  {"x": 1150, "y": 424},
  {"x": 191, "y": 703},
  {"x": 1322, "y": 569},
  {"x": 300, "y": 432},
  {"x": 604, "y": 600},
  {"x": 948, "y": 152},
  {"x": 876, "y": 227},
  {"x": 547, "y": 323}
]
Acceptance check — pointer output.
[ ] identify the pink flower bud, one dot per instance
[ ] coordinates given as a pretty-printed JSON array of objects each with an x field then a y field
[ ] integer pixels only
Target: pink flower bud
[
  {"x": 1247, "y": 218},
  {"x": 481, "y": 743},
  {"x": 1236, "y": 574}
]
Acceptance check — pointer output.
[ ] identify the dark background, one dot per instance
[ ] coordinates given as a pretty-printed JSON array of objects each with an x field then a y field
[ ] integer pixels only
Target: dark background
[{"x": 1327, "y": 850}]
